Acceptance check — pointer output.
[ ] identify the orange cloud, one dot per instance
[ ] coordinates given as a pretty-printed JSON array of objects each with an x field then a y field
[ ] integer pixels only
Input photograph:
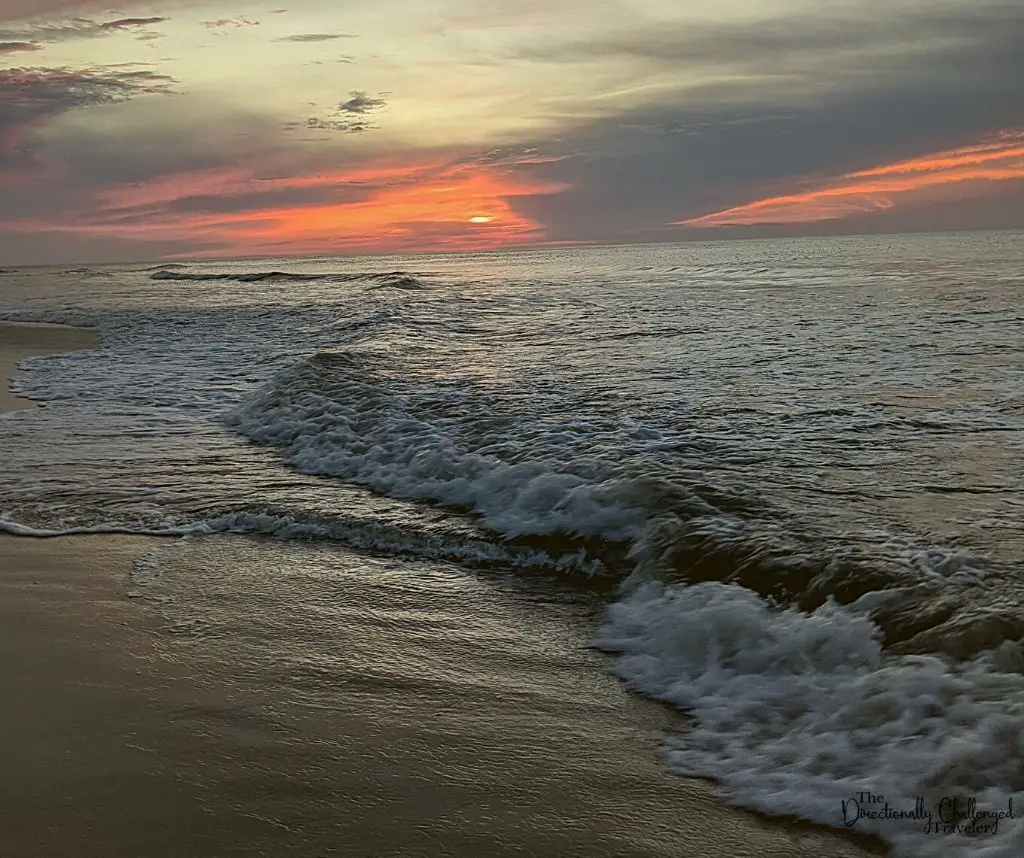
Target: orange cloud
[
  {"x": 387, "y": 206},
  {"x": 952, "y": 173},
  {"x": 432, "y": 214}
]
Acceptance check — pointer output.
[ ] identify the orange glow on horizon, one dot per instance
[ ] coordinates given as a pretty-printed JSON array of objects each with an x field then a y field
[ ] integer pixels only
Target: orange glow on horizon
[
  {"x": 918, "y": 180},
  {"x": 381, "y": 207}
]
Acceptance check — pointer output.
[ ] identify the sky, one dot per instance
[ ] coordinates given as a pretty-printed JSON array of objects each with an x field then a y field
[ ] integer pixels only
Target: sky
[{"x": 221, "y": 128}]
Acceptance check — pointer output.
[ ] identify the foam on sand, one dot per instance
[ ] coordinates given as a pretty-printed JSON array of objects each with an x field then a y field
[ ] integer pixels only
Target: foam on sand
[{"x": 796, "y": 713}]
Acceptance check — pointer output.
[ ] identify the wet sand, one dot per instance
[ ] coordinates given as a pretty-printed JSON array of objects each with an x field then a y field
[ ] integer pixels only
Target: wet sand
[
  {"x": 126, "y": 733},
  {"x": 22, "y": 341}
]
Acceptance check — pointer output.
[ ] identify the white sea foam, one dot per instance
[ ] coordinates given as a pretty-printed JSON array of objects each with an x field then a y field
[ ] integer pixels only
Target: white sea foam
[
  {"x": 335, "y": 415},
  {"x": 795, "y": 713},
  {"x": 17, "y": 529}
]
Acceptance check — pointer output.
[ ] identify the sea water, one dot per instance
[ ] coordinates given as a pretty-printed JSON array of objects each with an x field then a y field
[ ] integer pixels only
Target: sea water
[{"x": 796, "y": 465}]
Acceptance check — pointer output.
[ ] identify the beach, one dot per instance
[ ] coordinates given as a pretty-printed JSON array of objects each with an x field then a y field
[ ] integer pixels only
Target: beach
[
  {"x": 23, "y": 341},
  {"x": 126, "y": 732}
]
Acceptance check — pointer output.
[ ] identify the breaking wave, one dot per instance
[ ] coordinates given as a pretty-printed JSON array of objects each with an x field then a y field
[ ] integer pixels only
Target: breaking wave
[
  {"x": 166, "y": 266},
  {"x": 620, "y": 494},
  {"x": 803, "y": 713},
  {"x": 390, "y": 279},
  {"x": 810, "y": 672}
]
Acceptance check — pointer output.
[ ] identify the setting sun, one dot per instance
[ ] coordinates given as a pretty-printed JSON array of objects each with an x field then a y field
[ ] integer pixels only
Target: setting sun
[{"x": 481, "y": 219}]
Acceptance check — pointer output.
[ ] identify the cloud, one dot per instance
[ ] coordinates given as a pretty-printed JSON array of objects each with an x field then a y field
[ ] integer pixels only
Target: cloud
[
  {"x": 129, "y": 23},
  {"x": 34, "y": 92},
  {"x": 286, "y": 198},
  {"x": 342, "y": 125},
  {"x": 315, "y": 37},
  {"x": 79, "y": 28},
  {"x": 510, "y": 157},
  {"x": 140, "y": 142},
  {"x": 361, "y": 103},
  {"x": 32, "y": 97},
  {"x": 229, "y": 23},
  {"x": 876, "y": 189},
  {"x": 697, "y": 128},
  {"x": 16, "y": 10},
  {"x": 713, "y": 117},
  {"x": 347, "y": 118},
  {"x": 840, "y": 40},
  {"x": 18, "y": 47},
  {"x": 268, "y": 203}
]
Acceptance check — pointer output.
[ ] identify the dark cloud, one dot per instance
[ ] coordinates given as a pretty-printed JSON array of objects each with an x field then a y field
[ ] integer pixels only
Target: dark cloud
[
  {"x": 18, "y": 47},
  {"x": 29, "y": 93},
  {"x": 628, "y": 185},
  {"x": 32, "y": 97},
  {"x": 78, "y": 28},
  {"x": 797, "y": 100},
  {"x": 512, "y": 156},
  {"x": 142, "y": 141},
  {"x": 229, "y": 23},
  {"x": 17, "y": 10},
  {"x": 315, "y": 37},
  {"x": 278, "y": 198},
  {"x": 129, "y": 23},
  {"x": 361, "y": 103},
  {"x": 870, "y": 37},
  {"x": 145, "y": 168},
  {"x": 341, "y": 125},
  {"x": 137, "y": 162},
  {"x": 706, "y": 127},
  {"x": 23, "y": 10},
  {"x": 349, "y": 117}
]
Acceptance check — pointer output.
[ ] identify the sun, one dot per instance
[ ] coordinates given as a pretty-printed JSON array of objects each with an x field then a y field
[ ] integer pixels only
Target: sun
[{"x": 481, "y": 219}]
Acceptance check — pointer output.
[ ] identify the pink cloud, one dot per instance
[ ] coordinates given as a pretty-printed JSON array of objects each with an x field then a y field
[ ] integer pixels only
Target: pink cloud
[{"x": 962, "y": 172}]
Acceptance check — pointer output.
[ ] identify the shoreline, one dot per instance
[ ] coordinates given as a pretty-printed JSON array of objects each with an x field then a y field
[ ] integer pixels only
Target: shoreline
[
  {"x": 123, "y": 737},
  {"x": 20, "y": 341}
]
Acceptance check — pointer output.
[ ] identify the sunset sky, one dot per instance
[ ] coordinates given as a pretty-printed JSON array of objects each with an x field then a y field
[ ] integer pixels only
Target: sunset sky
[{"x": 190, "y": 128}]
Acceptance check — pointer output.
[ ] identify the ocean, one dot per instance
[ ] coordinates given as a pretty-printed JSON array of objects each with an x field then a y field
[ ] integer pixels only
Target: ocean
[{"x": 781, "y": 480}]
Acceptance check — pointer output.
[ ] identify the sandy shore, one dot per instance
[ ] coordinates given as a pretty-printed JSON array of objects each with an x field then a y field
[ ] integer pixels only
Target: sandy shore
[
  {"x": 22, "y": 341},
  {"x": 121, "y": 737}
]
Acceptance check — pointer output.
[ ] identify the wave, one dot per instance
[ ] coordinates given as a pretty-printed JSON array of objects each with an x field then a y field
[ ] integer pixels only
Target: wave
[
  {"x": 166, "y": 266},
  {"x": 88, "y": 272},
  {"x": 330, "y": 416},
  {"x": 402, "y": 540},
  {"x": 389, "y": 279},
  {"x": 802, "y": 714},
  {"x": 341, "y": 414},
  {"x": 810, "y": 674},
  {"x": 450, "y": 544}
]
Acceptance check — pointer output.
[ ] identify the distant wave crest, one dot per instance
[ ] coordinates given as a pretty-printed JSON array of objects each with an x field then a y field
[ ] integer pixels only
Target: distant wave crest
[{"x": 388, "y": 279}]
